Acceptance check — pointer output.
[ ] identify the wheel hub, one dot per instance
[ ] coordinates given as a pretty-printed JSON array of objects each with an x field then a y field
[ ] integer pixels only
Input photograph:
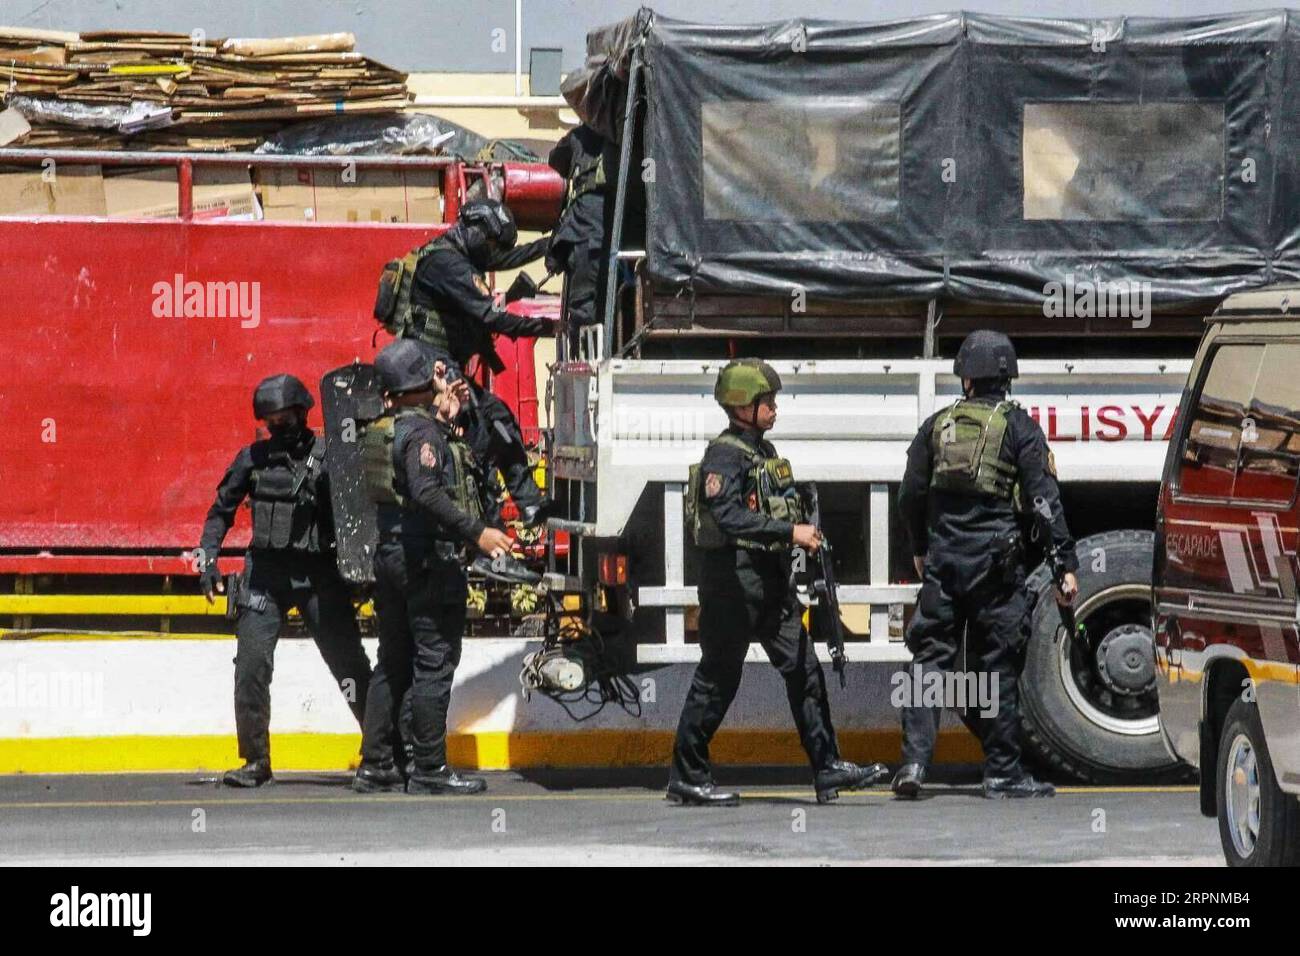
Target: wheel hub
[
  {"x": 1126, "y": 661},
  {"x": 1242, "y": 794}
]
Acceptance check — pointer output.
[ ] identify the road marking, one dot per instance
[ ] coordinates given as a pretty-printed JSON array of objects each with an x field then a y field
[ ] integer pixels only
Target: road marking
[{"x": 361, "y": 799}]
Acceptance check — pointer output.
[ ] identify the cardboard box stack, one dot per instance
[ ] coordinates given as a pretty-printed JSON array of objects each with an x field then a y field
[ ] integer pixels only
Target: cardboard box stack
[
  {"x": 144, "y": 90},
  {"x": 147, "y": 90}
]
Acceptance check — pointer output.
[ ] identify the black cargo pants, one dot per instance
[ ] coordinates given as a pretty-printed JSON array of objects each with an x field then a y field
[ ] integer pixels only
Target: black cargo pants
[
  {"x": 420, "y": 592},
  {"x": 746, "y": 596},
  {"x": 272, "y": 583},
  {"x": 992, "y": 610}
]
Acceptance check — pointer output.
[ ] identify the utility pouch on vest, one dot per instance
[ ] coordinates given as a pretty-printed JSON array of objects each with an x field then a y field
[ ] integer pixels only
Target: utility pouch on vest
[
  {"x": 775, "y": 479},
  {"x": 966, "y": 450},
  {"x": 390, "y": 286},
  {"x": 699, "y": 520}
]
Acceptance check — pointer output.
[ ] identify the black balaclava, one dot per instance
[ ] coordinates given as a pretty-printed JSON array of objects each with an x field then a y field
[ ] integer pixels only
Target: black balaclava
[{"x": 289, "y": 433}]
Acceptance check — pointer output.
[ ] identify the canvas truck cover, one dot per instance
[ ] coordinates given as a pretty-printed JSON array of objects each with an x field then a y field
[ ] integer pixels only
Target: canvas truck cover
[{"x": 960, "y": 155}]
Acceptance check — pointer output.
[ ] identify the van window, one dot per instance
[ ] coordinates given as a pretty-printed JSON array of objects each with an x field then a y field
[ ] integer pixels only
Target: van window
[
  {"x": 1270, "y": 445},
  {"x": 1209, "y": 460}
]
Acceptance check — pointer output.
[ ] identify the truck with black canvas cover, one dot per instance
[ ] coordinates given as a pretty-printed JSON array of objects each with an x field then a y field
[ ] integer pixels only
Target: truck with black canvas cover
[{"x": 847, "y": 201}]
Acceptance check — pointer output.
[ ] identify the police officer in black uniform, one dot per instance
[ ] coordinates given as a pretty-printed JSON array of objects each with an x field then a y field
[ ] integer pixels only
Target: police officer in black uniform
[
  {"x": 581, "y": 156},
  {"x": 420, "y": 474},
  {"x": 971, "y": 470},
  {"x": 747, "y": 517},
  {"x": 290, "y": 563},
  {"x": 451, "y": 309}
]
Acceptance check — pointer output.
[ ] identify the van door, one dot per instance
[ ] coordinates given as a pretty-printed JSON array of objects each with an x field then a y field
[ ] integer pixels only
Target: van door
[
  {"x": 1228, "y": 580},
  {"x": 1266, "y": 482}
]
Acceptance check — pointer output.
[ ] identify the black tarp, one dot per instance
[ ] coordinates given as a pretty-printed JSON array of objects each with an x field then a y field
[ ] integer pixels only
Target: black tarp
[{"x": 963, "y": 155}]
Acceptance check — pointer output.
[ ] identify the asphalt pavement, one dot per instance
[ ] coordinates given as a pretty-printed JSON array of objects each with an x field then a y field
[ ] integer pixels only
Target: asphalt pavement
[{"x": 583, "y": 818}]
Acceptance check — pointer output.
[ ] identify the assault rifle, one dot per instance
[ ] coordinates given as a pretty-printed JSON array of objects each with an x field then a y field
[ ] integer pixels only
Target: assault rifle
[{"x": 824, "y": 617}]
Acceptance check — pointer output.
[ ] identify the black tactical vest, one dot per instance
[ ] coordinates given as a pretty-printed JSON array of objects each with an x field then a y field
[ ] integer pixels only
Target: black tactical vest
[{"x": 283, "y": 501}]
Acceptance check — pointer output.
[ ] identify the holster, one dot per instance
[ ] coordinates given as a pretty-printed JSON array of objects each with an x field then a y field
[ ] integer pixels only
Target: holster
[
  {"x": 1008, "y": 556},
  {"x": 234, "y": 581},
  {"x": 239, "y": 595}
]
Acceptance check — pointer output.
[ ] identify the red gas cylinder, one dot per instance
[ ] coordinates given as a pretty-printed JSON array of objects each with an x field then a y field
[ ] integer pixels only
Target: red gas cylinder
[{"x": 535, "y": 194}]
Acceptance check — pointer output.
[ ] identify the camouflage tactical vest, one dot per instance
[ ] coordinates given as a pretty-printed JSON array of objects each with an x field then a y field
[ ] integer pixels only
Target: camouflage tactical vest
[
  {"x": 966, "y": 450},
  {"x": 395, "y": 308},
  {"x": 381, "y": 476},
  {"x": 283, "y": 500},
  {"x": 775, "y": 495}
]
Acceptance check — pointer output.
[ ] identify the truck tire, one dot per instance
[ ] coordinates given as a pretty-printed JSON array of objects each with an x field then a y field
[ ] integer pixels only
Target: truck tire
[
  {"x": 1080, "y": 717},
  {"x": 1259, "y": 824}
]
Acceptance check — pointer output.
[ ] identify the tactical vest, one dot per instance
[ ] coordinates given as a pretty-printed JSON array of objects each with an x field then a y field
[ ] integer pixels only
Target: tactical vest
[
  {"x": 966, "y": 450},
  {"x": 775, "y": 495},
  {"x": 283, "y": 500},
  {"x": 380, "y": 470},
  {"x": 588, "y": 176},
  {"x": 397, "y": 310}
]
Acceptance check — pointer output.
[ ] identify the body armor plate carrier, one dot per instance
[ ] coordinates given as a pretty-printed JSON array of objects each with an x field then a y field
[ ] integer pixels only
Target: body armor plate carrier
[
  {"x": 395, "y": 305},
  {"x": 966, "y": 450},
  {"x": 381, "y": 475},
  {"x": 283, "y": 501},
  {"x": 776, "y": 496}
]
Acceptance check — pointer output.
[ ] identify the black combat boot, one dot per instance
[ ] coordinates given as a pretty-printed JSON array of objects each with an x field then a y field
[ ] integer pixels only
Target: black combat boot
[
  {"x": 843, "y": 775},
  {"x": 703, "y": 795},
  {"x": 252, "y": 774},
  {"x": 443, "y": 780},
  {"x": 1019, "y": 785},
  {"x": 378, "y": 778},
  {"x": 908, "y": 780}
]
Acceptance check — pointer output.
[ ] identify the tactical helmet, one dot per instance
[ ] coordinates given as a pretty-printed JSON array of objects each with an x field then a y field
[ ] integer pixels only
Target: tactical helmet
[
  {"x": 742, "y": 381},
  {"x": 403, "y": 366},
  {"x": 279, "y": 392},
  {"x": 483, "y": 222},
  {"x": 986, "y": 354}
]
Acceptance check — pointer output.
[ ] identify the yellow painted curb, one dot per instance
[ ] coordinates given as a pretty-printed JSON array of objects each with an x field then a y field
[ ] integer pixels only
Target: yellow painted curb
[{"x": 483, "y": 751}]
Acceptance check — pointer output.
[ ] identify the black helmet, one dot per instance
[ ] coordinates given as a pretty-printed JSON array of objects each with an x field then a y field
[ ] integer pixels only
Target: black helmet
[
  {"x": 484, "y": 224},
  {"x": 404, "y": 366},
  {"x": 279, "y": 392},
  {"x": 986, "y": 354}
]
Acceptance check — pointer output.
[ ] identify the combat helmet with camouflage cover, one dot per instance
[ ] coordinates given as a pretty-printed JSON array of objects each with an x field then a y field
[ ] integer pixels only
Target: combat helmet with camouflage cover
[{"x": 743, "y": 381}]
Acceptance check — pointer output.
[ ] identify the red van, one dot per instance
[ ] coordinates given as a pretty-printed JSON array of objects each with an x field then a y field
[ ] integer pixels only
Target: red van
[{"x": 1224, "y": 580}]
